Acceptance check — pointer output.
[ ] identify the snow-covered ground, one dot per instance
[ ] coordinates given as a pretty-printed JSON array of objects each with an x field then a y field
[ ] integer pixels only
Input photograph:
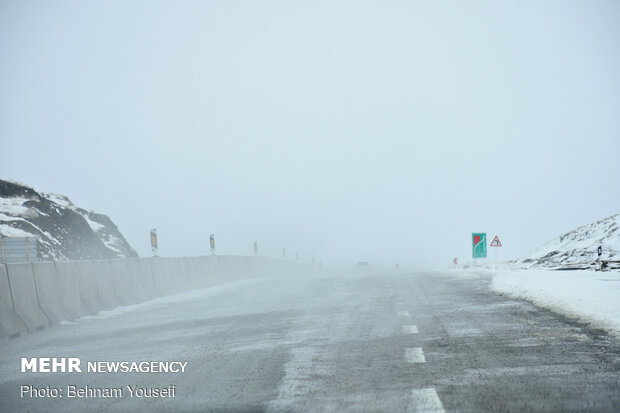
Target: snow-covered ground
[
  {"x": 578, "y": 248},
  {"x": 589, "y": 296}
]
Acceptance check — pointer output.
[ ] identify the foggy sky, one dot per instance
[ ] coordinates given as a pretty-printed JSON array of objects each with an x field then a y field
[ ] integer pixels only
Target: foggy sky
[{"x": 382, "y": 131}]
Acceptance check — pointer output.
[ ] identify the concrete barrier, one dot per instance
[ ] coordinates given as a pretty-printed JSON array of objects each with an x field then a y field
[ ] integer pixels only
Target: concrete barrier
[
  {"x": 89, "y": 291},
  {"x": 146, "y": 278},
  {"x": 78, "y": 290},
  {"x": 133, "y": 280},
  {"x": 164, "y": 283},
  {"x": 213, "y": 274},
  {"x": 24, "y": 293},
  {"x": 179, "y": 273},
  {"x": 125, "y": 280},
  {"x": 170, "y": 275},
  {"x": 105, "y": 280},
  {"x": 134, "y": 274},
  {"x": 10, "y": 324},
  {"x": 197, "y": 272},
  {"x": 226, "y": 269},
  {"x": 50, "y": 293},
  {"x": 34, "y": 295}
]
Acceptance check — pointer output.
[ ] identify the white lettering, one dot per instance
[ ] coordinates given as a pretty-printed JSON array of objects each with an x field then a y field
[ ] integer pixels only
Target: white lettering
[
  {"x": 74, "y": 365},
  {"x": 58, "y": 364},
  {"x": 29, "y": 364},
  {"x": 44, "y": 364},
  {"x": 47, "y": 391}
]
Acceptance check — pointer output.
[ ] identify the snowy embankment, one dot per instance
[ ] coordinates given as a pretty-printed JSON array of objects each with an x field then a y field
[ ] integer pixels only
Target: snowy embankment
[
  {"x": 590, "y": 296},
  {"x": 578, "y": 249}
]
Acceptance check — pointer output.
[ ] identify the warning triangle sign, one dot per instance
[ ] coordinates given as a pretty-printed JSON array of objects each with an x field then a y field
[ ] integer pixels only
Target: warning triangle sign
[{"x": 496, "y": 242}]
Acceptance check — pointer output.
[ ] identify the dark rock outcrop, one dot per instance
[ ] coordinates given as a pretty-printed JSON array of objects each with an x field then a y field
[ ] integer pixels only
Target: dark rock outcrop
[{"x": 64, "y": 231}]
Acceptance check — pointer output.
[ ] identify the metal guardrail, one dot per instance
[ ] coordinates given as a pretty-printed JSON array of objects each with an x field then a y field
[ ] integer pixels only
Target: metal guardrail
[
  {"x": 19, "y": 249},
  {"x": 605, "y": 265}
]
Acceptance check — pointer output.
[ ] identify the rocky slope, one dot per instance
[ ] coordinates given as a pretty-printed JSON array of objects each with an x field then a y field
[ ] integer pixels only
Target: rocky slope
[
  {"x": 578, "y": 248},
  {"x": 64, "y": 231}
]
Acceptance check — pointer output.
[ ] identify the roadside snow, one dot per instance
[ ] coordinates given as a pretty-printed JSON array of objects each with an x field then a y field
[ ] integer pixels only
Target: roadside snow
[{"x": 590, "y": 296}]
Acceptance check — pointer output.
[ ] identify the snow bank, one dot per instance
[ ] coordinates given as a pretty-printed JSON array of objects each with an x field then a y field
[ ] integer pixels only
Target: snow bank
[{"x": 590, "y": 296}]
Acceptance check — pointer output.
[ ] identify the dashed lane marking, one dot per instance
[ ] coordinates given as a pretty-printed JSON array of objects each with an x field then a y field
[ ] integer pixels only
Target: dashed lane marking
[
  {"x": 414, "y": 355},
  {"x": 410, "y": 329},
  {"x": 426, "y": 400}
]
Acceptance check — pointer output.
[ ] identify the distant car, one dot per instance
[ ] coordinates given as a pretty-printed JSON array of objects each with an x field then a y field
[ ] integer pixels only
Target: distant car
[{"x": 362, "y": 264}]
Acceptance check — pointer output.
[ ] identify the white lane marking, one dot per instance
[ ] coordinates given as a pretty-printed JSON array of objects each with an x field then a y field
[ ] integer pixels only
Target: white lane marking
[
  {"x": 407, "y": 400},
  {"x": 414, "y": 355},
  {"x": 403, "y": 313},
  {"x": 410, "y": 329},
  {"x": 426, "y": 400}
]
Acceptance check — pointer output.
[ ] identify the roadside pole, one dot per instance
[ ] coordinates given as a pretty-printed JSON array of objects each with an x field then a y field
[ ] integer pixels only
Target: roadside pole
[
  {"x": 496, "y": 243},
  {"x": 154, "y": 242}
]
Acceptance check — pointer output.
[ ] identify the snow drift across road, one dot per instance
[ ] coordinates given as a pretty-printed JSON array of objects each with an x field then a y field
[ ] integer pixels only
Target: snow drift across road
[{"x": 590, "y": 296}]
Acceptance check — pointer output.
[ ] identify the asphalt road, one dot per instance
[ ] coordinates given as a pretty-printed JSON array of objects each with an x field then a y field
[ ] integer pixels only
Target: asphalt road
[{"x": 392, "y": 343}]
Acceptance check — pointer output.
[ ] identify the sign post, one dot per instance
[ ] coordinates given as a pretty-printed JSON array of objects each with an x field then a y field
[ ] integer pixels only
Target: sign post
[
  {"x": 212, "y": 243},
  {"x": 479, "y": 244},
  {"x": 496, "y": 243},
  {"x": 154, "y": 242},
  {"x": 255, "y": 248}
]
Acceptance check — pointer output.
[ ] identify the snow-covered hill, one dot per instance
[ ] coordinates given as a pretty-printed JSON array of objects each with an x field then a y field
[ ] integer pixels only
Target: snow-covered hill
[
  {"x": 578, "y": 248},
  {"x": 64, "y": 231}
]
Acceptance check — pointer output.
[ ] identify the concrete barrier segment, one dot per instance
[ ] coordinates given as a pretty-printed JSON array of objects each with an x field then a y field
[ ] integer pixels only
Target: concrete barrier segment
[
  {"x": 24, "y": 293},
  {"x": 51, "y": 293},
  {"x": 10, "y": 323},
  {"x": 78, "y": 288},
  {"x": 106, "y": 284}
]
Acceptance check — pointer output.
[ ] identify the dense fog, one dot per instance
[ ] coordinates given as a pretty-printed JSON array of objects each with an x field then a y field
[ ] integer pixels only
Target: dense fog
[{"x": 346, "y": 131}]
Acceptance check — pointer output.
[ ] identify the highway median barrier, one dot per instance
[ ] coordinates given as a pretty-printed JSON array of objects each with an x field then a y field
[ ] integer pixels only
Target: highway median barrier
[
  {"x": 51, "y": 293},
  {"x": 105, "y": 280},
  {"x": 78, "y": 289},
  {"x": 40, "y": 294},
  {"x": 24, "y": 294},
  {"x": 10, "y": 324}
]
